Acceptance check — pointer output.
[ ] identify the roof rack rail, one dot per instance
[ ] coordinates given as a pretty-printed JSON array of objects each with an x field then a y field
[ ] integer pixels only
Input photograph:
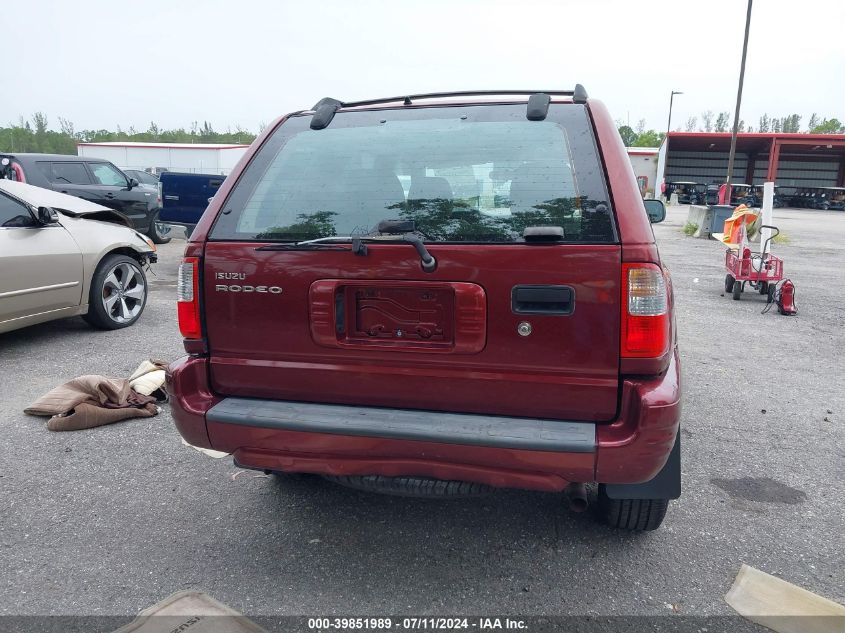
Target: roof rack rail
[
  {"x": 538, "y": 102},
  {"x": 577, "y": 93}
]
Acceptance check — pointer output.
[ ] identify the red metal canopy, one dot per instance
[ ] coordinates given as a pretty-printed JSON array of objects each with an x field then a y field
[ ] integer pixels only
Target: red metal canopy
[{"x": 754, "y": 144}]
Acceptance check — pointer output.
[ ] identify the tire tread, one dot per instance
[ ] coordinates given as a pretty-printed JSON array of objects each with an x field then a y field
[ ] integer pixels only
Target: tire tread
[{"x": 636, "y": 515}]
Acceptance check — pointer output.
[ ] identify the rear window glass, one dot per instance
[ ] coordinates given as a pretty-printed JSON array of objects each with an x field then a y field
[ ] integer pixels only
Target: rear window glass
[
  {"x": 462, "y": 174},
  {"x": 67, "y": 173}
]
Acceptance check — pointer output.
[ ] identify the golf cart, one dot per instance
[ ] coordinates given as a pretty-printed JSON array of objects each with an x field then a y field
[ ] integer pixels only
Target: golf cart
[
  {"x": 741, "y": 194},
  {"x": 688, "y": 192},
  {"x": 711, "y": 193},
  {"x": 830, "y": 198}
]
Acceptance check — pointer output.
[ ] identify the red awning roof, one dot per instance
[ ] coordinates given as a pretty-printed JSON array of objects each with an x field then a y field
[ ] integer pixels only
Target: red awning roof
[{"x": 756, "y": 142}]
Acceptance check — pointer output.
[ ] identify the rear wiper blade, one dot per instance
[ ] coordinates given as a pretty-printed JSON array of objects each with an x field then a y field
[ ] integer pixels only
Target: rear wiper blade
[
  {"x": 388, "y": 231},
  {"x": 325, "y": 243},
  {"x": 301, "y": 246},
  {"x": 358, "y": 246},
  {"x": 343, "y": 238}
]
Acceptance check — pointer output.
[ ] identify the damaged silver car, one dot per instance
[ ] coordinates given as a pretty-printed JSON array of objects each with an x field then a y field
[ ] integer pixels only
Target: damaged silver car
[{"x": 61, "y": 256}]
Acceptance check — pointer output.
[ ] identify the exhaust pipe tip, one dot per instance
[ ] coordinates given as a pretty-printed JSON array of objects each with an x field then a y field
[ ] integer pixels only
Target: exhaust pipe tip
[{"x": 576, "y": 494}]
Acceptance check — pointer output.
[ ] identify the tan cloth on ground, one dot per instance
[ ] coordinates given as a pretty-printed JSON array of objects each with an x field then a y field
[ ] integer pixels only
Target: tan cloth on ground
[
  {"x": 149, "y": 378},
  {"x": 88, "y": 416},
  {"x": 89, "y": 401},
  {"x": 92, "y": 388}
]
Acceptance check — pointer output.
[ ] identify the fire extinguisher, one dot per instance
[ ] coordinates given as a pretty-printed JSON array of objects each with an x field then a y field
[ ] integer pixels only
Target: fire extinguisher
[{"x": 785, "y": 298}]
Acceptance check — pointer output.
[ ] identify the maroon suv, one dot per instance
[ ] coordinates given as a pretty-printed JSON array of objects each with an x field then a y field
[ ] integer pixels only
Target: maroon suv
[{"x": 437, "y": 294}]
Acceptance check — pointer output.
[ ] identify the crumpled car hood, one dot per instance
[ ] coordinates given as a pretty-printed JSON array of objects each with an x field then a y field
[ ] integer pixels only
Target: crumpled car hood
[{"x": 69, "y": 205}]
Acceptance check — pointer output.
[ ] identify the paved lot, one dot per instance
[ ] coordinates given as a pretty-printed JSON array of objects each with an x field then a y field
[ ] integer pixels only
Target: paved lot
[{"x": 111, "y": 520}]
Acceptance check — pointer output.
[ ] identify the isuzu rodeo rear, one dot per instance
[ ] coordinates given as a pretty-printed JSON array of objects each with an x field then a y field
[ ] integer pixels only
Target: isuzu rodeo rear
[{"x": 437, "y": 294}]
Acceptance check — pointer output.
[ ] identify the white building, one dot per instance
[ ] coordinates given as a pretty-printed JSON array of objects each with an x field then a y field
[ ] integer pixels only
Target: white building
[
  {"x": 644, "y": 162},
  {"x": 199, "y": 158}
]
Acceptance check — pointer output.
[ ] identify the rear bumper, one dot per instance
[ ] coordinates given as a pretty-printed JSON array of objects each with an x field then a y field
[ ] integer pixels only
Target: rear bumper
[{"x": 497, "y": 451}]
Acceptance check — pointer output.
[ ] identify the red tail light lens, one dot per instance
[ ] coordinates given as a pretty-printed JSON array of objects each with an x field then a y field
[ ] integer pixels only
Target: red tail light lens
[
  {"x": 187, "y": 298},
  {"x": 18, "y": 171},
  {"x": 645, "y": 312}
]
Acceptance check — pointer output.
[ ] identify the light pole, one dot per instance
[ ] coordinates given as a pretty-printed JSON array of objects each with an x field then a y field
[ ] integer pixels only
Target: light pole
[
  {"x": 671, "y": 100},
  {"x": 666, "y": 140},
  {"x": 738, "y": 100}
]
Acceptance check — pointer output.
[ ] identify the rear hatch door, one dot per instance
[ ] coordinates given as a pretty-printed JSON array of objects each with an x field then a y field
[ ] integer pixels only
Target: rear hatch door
[{"x": 501, "y": 326}]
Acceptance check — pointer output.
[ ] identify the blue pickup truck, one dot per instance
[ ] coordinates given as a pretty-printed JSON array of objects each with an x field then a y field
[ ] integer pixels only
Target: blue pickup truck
[{"x": 185, "y": 197}]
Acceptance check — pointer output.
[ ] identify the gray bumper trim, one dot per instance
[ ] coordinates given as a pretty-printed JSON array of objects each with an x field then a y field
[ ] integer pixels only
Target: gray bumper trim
[{"x": 407, "y": 424}]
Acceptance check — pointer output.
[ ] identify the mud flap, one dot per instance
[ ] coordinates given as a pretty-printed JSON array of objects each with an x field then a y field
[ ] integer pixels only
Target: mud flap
[{"x": 665, "y": 485}]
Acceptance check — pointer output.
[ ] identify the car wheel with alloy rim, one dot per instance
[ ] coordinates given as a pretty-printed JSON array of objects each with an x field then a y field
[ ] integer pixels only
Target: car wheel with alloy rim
[{"x": 118, "y": 293}]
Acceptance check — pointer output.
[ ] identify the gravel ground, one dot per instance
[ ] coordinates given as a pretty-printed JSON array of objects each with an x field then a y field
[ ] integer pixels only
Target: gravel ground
[{"x": 111, "y": 520}]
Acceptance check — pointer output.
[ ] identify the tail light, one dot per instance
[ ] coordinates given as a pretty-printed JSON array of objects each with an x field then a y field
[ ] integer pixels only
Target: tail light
[
  {"x": 188, "y": 299},
  {"x": 645, "y": 312}
]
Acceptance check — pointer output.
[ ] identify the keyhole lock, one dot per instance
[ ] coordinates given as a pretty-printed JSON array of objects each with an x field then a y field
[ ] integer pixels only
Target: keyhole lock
[{"x": 524, "y": 328}]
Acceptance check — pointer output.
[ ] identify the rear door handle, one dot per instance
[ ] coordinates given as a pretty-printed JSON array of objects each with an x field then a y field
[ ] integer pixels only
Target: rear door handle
[
  {"x": 109, "y": 195},
  {"x": 552, "y": 300}
]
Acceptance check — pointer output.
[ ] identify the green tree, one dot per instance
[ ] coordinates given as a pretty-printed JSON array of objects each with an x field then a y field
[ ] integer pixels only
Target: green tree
[
  {"x": 649, "y": 138},
  {"x": 813, "y": 122},
  {"x": 692, "y": 124},
  {"x": 707, "y": 120},
  {"x": 765, "y": 123},
  {"x": 628, "y": 135},
  {"x": 722, "y": 122},
  {"x": 791, "y": 124},
  {"x": 36, "y": 136},
  {"x": 828, "y": 126}
]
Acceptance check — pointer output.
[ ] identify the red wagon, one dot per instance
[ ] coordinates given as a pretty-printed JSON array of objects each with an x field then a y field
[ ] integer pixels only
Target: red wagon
[{"x": 761, "y": 270}]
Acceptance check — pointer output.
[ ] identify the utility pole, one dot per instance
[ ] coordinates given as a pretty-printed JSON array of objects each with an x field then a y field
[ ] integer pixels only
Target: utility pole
[
  {"x": 671, "y": 100},
  {"x": 738, "y": 99}
]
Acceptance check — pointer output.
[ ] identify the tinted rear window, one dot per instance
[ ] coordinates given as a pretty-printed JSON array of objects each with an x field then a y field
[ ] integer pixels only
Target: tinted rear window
[
  {"x": 463, "y": 174},
  {"x": 67, "y": 173}
]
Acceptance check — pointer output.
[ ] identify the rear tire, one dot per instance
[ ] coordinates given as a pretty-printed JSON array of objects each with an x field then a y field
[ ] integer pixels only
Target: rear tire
[
  {"x": 729, "y": 282},
  {"x": 737, "y": 290},
  {"x": 155, "y": 231},
  {"x": 763, "y": 288},
  {"x": 284, "y": 477},
  {"x": 636, "y": 515}
]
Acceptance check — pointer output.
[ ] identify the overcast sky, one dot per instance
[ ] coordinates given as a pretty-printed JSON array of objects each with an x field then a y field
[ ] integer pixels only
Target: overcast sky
[{"x": 105, "y": 63}]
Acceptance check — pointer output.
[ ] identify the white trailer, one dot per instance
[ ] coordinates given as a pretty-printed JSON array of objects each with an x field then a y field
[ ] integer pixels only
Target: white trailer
[
  {"x": 644, "y": 163},
  {"x": 194, "y": 158}
]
